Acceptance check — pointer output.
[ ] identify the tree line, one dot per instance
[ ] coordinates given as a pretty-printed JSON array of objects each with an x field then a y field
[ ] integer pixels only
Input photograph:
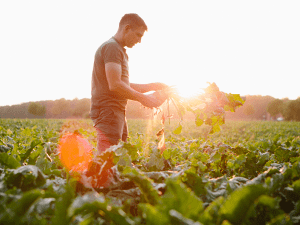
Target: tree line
[
  {"x": 57, "y": 109},
  {"x": 289, "y": 110},
  {"x": 62, "y": 109},
  {"x": 267, "y": 108},
  {"x": 256, "y": 107}
]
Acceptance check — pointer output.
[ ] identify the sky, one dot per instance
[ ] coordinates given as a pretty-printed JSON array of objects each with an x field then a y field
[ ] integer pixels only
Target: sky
[{"x": 246, "y": 47}]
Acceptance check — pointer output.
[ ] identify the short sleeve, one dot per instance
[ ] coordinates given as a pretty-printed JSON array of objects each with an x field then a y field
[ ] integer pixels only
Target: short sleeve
[{"x": 112, "y": 53}]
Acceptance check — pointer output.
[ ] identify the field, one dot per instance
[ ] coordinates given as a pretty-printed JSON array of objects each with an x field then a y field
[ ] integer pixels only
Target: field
[{"x": 249, "y": 173}]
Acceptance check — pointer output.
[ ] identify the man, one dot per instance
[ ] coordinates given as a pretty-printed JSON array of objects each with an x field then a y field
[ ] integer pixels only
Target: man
[{"x": 111, "y": 87}]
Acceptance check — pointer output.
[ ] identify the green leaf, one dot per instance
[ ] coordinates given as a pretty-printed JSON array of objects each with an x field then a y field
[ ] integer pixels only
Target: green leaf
[
  {"x": 156, "y": 162},
  {"x": 122, "y": 157},
  {"x": 153, "y": 215},
  {"x": 228, "y": 108},
  {"x": 198, "y": 121},
  {"x": 95, "y": 204},
  {"x": 33, "y": 144},
  {"x": 132, "y": 150},
  {"x": 182, "y": 199},
  {"x": 145, "y": 184},
  {"x": 9, "y": 161},
  {"x": 240, "y": 159},
  {"x": 226, "y": 222},
  {"x": 61, "y": 206},
  {"x": 43, "y": 163},
  {"x": 296, "y": 186},
  {"x": 211, "y": 214},
  {"x": 166, "y": 154},
  {"x": 4, "y": 148},
  {"x": 238, "y": 202},
  {"x": 282, "y": 154},
  {"x": 264, "y": 157},
  {"x": 268, "y": 201},
  {"x": 280, "y": 219},
  {"x": 178, "y": 218},
  {"x": 16, "y": 210},
  {"x": 216, "y": 128},
  {"x": 178, "y": 129},
  {"x": 26, "y": 132},
  {"x": 235, "y": 98},
  {"x": 215, "y": 157},
  {"x": 25, "y": 177},
  {"x": 195, "y": 182}
]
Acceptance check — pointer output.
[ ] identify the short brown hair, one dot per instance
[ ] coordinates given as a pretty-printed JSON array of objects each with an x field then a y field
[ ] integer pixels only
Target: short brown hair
[{"x": 133, "y": 20}]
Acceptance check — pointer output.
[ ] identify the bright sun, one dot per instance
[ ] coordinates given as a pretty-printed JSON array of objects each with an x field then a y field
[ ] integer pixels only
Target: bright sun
[{"x": 188, "y": 90}]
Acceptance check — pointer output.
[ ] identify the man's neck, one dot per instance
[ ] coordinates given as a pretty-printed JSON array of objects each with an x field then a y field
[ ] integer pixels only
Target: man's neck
[{"x": 119, "y": 39}]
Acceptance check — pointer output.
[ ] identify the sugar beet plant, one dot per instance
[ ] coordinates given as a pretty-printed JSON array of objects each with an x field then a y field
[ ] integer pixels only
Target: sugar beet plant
[
  {"x": 208, "y": 108},
  {"x": 219, "y": 180}
]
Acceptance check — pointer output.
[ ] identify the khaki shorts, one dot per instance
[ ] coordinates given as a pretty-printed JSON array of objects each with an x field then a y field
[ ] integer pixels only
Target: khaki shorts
[{"x": 111, "y": 126}]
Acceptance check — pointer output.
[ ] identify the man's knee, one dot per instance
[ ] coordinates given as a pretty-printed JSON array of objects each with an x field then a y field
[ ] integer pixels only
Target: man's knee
[
  {"x": 102, "y": 145},
  {"x": 105, "y": 141}
]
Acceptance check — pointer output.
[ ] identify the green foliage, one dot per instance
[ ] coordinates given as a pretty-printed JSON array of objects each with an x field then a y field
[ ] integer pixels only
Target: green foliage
[
  {"x": 15, "y": 211},
  {"x": 62, "y": 204},
  {"x": 150, "y": 194},
  {"x": 178, "y": 129},
  {"x": 25, "y": 178},
  {"x": 181, "y": 199},
  {"x": 247, "y": 174},
  {"x": 176, "y": 202},
  {"x": 238, "y": 203},
  {"x": 9, "y": 161}
]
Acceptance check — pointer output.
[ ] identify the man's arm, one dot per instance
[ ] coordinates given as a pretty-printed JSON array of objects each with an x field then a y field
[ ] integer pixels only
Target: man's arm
[
  {"x": 113, "y": 74},
  {"x": 143, "y": 88}
]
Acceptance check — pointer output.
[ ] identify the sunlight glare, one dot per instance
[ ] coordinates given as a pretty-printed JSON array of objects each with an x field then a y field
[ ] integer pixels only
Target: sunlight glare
[{"x": 188, "y": 90}]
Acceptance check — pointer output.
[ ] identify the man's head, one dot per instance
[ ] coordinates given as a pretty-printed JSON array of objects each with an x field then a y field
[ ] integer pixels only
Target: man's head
[{"x": 131, "y": 29}]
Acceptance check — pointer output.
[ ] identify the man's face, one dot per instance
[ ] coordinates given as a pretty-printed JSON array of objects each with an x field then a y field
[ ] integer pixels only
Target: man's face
[{"x": 134, "y": 36}]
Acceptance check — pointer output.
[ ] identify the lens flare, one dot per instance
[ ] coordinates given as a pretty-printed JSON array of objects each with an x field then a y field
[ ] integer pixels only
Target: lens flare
[{"x": 75, "y": 152}]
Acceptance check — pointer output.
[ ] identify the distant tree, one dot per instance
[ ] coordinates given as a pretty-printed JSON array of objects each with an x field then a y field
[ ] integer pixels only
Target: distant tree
[
  {"x": 36, "y": 109},
  {"x": 249, "y": 110},
  {"x": 60, "y": 107},
  {"x": 259, "y": 104},
  {"x": 275, "y": 107},
  {"x": 292, "y": 110},
  {"x": 82, "y": 107}
]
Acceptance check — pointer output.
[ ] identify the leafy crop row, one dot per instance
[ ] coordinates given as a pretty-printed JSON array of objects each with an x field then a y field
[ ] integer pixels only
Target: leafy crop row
[{"x": 247, "y": 174}]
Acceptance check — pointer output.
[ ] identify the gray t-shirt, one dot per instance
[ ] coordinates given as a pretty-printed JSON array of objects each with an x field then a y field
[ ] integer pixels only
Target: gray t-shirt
[{"x": 109, "y": 51}]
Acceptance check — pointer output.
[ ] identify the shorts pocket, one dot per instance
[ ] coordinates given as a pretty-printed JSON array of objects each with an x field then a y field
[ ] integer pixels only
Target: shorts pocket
[{"x": 106, "y": 116}]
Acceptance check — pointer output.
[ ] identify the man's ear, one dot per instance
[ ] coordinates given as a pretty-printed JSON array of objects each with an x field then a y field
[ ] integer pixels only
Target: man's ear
[{"x": 126, "y": 28}]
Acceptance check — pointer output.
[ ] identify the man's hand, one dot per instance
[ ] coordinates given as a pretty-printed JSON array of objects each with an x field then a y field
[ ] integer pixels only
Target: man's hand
[
  {"x": 158, "y": 86},
  {"x": 155, "y": 99},
  {"x": 149, "y": 102},
  {"x": 143, "y": 88}
]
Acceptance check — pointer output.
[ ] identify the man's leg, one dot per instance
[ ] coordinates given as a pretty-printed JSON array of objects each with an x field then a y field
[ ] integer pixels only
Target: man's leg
[
  {"x": 102, "y": 141},
  {"x": 110, "y": 127}
]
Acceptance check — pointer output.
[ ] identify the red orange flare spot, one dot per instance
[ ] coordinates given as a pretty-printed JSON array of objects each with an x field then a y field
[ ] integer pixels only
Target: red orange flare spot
[{"x": 75, "y": 152}]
